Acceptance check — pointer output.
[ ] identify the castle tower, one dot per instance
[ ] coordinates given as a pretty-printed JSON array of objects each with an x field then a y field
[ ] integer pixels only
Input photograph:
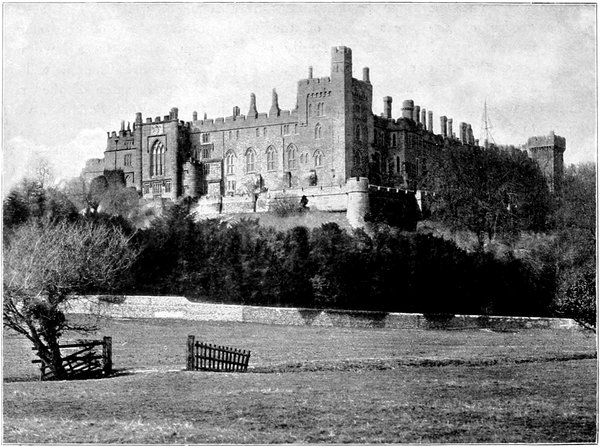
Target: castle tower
[{"x": 547, "y": 151}]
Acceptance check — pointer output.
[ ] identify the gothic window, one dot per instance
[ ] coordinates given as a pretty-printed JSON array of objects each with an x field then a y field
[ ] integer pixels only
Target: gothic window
[
  {"x": 318, "y": 158},
  {"x": 264, "y": 131},
  {"x": 270, "y": 158},
  {"x": 206, "y": 152},
  {"x": 229, "y": 137},
  {"x": 157, "y": 159},
  {"x": 205, "y": 137},
  {"x": 230, "y": 187},
  {"x": 127, "y": 160},
  {"x": 357, "y": 133},
  {"x": 318, "y": 132},
  {"x": 229, "y": 162},
  {"x": 286, "y": 129},
  {"x": 168, "y": 186},
  {"x": 304, "y": 158},
  {"x": 237, "y": 134},
  {"x": 291, "y": 157},
  {"x": 295, "y": 128},
  {"x": 156, "y": 188},
  {"x": 250, "y": 160},
  {"x": 257, "y": 132},
  {"x": 398, "y": 165},
  {"x": 393, "y": 140}
]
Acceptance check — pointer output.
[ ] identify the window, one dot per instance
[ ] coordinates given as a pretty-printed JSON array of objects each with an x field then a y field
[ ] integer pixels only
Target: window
[
  {"x": 156, "y": 188},
  {"x": 393, "y": 140},
  {"x": 320, "y": 109},
  {"x": 318, "y": 158},
  {"x": 304, "y": 158},
  {"x": 291, "y": 157},
  {"x": 309, "y": 109},
  {"x": 206, "y": 152},
  {"x": 229, "y": 162},
  {"x": 205, "y": 137},
  {"x": 146, "y": 188},
  {"x": 257, "y": 132},
  {"x": 286, "y": 129},
  {"x": 270, "y": 158},
  {"x": 206, "y": 169},
  {"x": 296, "y": 128},
  {"x": 317, "y": 131},
  {"x": 231, "y": 187},
  {"x": 157, "y": 159},
  {"x": 127, "y": 160},
  {"x": 168, "y": 186},
  {"x": 229, "y": 137},
  {"x": 237, "y": 134},
  {"x": 398, "y": 165},
  {"x": 250, "y": 159},
  {"x": 357, "y": 133},
  {"x": 264, "y": 131}
]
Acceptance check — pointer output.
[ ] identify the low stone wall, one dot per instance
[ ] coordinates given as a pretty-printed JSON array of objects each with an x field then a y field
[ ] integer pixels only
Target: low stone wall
[{"x": 177, "y": 307}]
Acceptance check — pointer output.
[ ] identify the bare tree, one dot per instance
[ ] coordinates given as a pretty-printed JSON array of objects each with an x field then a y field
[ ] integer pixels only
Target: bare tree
[{"x": 46, "y": 265}]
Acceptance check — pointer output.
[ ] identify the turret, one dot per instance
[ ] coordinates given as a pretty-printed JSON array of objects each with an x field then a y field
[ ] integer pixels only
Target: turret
[
  {"x": 275, "y": 111},
  {"x": 407, "y": 108},
  {"x": 341, "y": 63},
  {"x": 252, "y": 112}
]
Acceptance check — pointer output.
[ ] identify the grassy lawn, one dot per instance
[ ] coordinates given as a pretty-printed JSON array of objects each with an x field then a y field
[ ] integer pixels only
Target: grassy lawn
[{"x": 311, "y": 384}]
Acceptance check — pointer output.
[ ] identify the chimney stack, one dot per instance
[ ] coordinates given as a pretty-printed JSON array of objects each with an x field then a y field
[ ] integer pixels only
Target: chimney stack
[
  {"x": 417, "y": 114},
  {"x": 275, "y": 111},
  {"x": 252, "y": 112},
  {"x": 387, "y": 107},
  {"x": 430, "y": 124},
  {"x": 366, "y": 75},
  {"x": 424, "y": 118},
  {"x": 194, "y": 116},
  {"x": 310, "y": 72},
  {"x": 138, "y": 117},
  {"x": 450, "y": 133},
  {"x": 443, "y": 123}
]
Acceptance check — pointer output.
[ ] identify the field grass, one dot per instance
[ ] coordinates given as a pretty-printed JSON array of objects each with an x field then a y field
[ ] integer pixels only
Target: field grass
[{"x": 309, "y": 384}]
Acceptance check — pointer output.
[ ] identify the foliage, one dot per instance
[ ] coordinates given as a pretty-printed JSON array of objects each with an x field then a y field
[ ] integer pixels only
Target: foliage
[
  {"x": 489, "y": 192},
  {"x": 45, "y": 264},
  {"x": 285, "y": 206},
  {"x": 577, "y": 296}
]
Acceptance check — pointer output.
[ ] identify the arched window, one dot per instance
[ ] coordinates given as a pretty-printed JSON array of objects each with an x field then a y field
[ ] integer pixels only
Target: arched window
[
  {"x": 318, "y": 132},
  {"x": 229, "y": 162},
  {"x": 250, "y": 159},
  {"x": 357, "y": 133},
  {"x": 271, "y": 158},
  {"x": 318, "y": 157},
  {"x": 157, "y": 159},
  {"x": 291, "y": 157}
]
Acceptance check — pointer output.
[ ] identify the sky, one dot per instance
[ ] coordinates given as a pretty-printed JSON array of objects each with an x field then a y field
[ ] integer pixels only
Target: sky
[{"x": 73, "y": 71}]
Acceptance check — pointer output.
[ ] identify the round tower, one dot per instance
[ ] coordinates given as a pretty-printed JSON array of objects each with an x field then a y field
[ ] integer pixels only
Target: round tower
[{"x": 358, "y": 201}]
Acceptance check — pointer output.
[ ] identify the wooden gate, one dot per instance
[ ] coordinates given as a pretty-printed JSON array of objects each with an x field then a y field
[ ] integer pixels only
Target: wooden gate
[
  {"x": 208, "y": 357},
  {"x": 82, "y": 359}
]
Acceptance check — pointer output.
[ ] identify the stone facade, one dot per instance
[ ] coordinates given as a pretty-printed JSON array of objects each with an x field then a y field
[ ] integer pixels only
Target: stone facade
[
  {"x": 330, "y": 147},
  {"x": 548, "y": 152}
]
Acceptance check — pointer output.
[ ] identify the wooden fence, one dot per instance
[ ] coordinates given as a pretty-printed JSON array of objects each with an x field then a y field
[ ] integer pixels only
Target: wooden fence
[
  {"x": 82, "y": 359},
  {"x": 208, "y": 357}
]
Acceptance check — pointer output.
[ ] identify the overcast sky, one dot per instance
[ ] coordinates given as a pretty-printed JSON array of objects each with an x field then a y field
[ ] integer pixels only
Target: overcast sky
[{"x": 72, "y": 72}]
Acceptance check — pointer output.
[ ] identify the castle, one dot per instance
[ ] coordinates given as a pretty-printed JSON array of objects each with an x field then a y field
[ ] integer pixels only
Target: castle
[{"x": 330, "y": 148}]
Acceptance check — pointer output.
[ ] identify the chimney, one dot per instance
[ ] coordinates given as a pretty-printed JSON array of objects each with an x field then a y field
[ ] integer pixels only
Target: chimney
[
  {"x": 387, "y": 107},
  {"x": 194, "y": 116},
  {"x": 430, "y": 116},
  {"x": 417, "y": 114},
  {"x": 443, "y": 124},
  {"x": 450, "y": 133},
  {"x": 123, "y": 126},
  {"x": 275, "y": 111},
  {"x": 407, "y": 108},
  {"x": 470, "y": 136},
  {"x": 366, "y": 75},
  {"x": 138, "y": 117},
  {"x": 310, "y": 73},
  {"x": 204, "y": 116},
  {"x": 236, "y": 111},
  {"x": 423, "y": 118},
  {"x": 462, "y": 128},
  {"x": 252, "y": 112}
]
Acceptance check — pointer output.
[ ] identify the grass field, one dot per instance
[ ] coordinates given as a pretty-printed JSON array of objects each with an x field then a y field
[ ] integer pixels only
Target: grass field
[{"x": 309, "y": 384}]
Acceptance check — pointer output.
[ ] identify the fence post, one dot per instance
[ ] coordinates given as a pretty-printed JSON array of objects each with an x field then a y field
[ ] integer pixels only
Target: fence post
[
  {"x": 190, "y": 352},
  {"x": 107, "y": 355}
]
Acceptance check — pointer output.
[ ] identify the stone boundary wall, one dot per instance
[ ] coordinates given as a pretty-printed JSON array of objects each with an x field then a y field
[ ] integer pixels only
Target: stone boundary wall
[{"x": 178, "y": 307}]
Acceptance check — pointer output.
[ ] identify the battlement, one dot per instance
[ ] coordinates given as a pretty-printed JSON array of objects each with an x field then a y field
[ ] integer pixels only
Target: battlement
[{"x": 547, "y": 140}]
